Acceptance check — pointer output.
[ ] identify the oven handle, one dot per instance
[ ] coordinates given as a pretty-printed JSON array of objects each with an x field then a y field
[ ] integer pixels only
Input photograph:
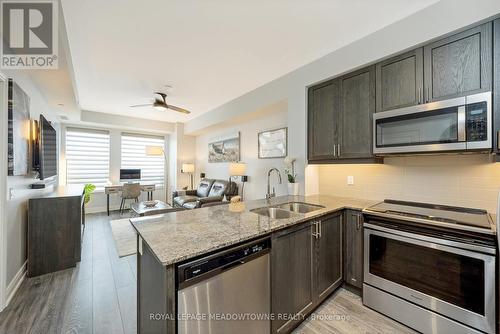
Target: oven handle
[{"x": 431, "y": 242}]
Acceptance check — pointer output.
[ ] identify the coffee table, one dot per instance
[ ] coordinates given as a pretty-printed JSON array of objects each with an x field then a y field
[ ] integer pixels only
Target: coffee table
[{"x": 141, "y": 210}]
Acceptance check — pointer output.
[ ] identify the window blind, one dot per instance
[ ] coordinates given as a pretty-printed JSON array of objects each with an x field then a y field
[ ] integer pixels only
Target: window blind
[
  {"x": 134, "y": 155},
  {"x": 87, "y": 157}
]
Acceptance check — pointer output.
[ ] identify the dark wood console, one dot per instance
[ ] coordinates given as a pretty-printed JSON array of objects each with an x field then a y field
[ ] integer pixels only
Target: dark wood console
[{"x": 56, "y": 222}]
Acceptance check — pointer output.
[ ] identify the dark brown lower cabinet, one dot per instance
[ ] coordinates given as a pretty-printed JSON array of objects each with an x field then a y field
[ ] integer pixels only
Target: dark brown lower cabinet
[
  {"x": 353, "y": 248},
  {"x": 306, "y": 266},
  {"x": 291, "y": 276},
  {"x": 328, "y": 257}
]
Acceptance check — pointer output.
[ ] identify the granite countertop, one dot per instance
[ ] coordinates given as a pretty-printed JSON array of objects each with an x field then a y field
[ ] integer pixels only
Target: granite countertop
[{"x": 178, "y": 236}]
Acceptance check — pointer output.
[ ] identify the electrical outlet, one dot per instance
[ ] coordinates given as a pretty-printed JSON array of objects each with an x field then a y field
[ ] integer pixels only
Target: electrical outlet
[
  {"x": 11, "y": 194},
  {"x": 350, "y": 180}
]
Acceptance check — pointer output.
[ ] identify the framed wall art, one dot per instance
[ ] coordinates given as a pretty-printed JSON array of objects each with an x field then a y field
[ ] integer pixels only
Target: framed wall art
[
  {"x": 225, "y": 150},
  {"x": 273, "y": 143},
  {"x": 18, "y": 133}
]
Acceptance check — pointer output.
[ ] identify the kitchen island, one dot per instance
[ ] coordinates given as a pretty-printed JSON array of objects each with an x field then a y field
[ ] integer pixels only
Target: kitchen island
[{"x": 169, "y": 240}]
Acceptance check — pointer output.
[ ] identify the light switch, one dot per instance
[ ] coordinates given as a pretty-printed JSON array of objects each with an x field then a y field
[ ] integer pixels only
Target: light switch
[
  {"x": 11, "y": 194},
  {"x": 350, "y": 180}
]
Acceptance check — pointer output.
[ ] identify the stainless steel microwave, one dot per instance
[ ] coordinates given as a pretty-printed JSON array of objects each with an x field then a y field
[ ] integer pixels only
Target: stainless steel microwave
[{"x": 459, "y": 124}]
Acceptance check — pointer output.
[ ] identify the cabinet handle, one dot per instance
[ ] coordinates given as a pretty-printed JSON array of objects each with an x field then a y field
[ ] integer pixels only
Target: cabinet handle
[
  {"x": 338, "y": 150},
  {"x": 335, "y": 150},
  {"x": 315, "y": 233},
  {"x": 358, "y": 222},
  {"x": 319, "y": 228}
]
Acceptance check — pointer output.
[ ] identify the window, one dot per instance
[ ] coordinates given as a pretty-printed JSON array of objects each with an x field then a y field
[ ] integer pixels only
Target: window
[
  {"x": 134, "y": 156},
  {"x": 87, "y": 157}
]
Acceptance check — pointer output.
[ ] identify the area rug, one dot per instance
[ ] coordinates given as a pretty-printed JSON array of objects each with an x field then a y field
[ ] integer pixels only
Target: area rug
[{"x": 125, "y": 237}]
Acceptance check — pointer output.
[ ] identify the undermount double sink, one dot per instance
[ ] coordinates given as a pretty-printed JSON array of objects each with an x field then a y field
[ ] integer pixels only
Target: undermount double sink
[{"x": 286, "y": 210}]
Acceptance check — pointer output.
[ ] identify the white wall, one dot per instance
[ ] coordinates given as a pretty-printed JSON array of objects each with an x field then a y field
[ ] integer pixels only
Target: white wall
[
  {"x": 16, "y": 207},
  {"x": 432, "y": 22},
  {"x": 256, "y": 168}
]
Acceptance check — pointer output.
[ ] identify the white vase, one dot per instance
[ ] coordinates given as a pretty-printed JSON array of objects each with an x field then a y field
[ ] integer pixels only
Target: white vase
[{"x": 293, "y": 189}]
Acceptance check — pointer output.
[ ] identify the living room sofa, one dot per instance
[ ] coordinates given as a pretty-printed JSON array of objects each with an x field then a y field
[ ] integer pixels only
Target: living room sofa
[{"x": 208, "y": 193}]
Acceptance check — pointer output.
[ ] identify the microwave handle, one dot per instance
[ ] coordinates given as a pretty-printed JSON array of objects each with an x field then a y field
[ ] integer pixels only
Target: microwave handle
[{"x": 461, "y": 124}]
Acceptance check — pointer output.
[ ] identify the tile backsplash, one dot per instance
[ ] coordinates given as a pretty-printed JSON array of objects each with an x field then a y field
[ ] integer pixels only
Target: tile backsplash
[{"x": 470, "y": 180}]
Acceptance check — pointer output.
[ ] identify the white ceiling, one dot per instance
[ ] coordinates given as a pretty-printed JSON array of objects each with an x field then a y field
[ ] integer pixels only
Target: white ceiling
[{"x": 209, "y": 51}]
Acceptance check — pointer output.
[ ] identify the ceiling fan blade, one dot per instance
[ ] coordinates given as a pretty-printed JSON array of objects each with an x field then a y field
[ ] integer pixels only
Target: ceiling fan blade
[
  {"x": 141, "y": 105},
  {"x": 184, "y": 111}
]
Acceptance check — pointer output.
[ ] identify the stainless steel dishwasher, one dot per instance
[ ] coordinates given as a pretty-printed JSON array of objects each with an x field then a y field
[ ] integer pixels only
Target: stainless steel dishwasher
[{"x": 227, "y": 292}]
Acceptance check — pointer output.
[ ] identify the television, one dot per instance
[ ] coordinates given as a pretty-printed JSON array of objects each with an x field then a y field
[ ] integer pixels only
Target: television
[
  {"x": 130, "y": 174},
  {"x": 48, "y": 149}
]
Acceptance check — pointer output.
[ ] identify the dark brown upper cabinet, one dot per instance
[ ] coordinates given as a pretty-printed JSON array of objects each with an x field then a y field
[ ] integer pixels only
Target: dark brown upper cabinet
[
  {"x": 400, "y": 81},
  {"x": 459, "y": 65},
  {"x": 357, "y": 107},
  {"x": 496, "y": 85},
  {"x": 323, "y": 119}
]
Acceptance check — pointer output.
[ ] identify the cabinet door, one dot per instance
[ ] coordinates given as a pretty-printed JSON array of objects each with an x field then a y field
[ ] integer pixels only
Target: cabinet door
[
  {"x": 358, "y": 106},
  {"x": 328, "y": 257},
  {"x": 400, "y": 81},
  {"x": 323, "y": 111},
  {"x": 292, "y": 268},
  {"x": 459, "y": 65},
  {"x": 353, "y": 241},
  {"x": 496, "y": 85}
]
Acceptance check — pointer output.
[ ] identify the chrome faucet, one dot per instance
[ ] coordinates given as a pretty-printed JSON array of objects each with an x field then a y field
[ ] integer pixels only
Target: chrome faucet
[{"x": 269, "y": 195}]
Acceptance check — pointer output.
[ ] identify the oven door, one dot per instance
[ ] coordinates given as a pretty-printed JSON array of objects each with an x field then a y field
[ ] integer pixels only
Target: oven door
[{"x": 451, "y": 281}]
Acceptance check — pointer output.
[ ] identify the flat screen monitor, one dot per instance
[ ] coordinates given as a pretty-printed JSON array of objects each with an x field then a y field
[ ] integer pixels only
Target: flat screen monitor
[
  {"x": 48, "y": 149},
  {"x": 128, "y": 175}
]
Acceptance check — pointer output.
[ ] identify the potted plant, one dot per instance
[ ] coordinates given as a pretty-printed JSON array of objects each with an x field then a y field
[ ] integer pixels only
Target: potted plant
[
  {"x": 87, "y": 192},
  {"x": 293, "y": 186}
]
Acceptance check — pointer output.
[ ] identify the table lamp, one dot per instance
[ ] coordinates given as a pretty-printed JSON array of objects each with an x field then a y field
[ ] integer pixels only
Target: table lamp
[
  {"x": 188, "y": 169},
  {"x": 238, "y": 169}
]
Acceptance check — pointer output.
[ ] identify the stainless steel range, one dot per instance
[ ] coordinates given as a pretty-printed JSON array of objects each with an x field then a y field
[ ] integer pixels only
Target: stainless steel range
[{"x": 431, "y": 267}]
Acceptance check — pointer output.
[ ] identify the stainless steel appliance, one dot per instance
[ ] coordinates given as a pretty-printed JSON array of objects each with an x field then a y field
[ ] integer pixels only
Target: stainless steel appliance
[
  {"x": 228, "y": 292},
  {"x": 458, "y": 124},
  {"x": 431, "y": 267}
]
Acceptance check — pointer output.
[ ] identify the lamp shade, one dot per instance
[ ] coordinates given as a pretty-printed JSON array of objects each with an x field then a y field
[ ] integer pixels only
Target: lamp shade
[
  {"x": 237, "y": 169},
  {"x": 188, "y": 168},
  {"x": 154, "y": 150}
]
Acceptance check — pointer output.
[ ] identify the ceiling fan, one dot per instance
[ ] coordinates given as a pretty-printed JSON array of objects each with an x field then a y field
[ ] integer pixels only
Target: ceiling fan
[{"x": 160, "y": 103}]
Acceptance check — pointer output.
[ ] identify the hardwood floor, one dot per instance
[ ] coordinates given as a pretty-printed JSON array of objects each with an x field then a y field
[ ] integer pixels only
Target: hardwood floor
[
  {"x": 99, "y": 296},
  {"x": 343, "y": 313}
]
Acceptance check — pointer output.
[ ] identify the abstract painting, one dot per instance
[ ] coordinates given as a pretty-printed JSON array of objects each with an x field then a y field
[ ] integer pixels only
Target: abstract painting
[
  {"x": 225, "y": 150},
  {"x": 18, "y": 130},
  {"x": 273, "y": 143}
]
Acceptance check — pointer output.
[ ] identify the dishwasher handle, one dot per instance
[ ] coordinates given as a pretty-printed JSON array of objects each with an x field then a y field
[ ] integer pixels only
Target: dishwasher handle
[{"x": 232, "y": 265}]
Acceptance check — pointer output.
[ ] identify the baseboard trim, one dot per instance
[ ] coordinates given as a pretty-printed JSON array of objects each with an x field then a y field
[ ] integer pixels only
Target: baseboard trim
[{"x": 14, "y": 285}]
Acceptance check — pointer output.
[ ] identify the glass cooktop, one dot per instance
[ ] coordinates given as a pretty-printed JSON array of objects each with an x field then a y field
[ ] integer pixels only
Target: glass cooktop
[{"x": 463, "y": 218}]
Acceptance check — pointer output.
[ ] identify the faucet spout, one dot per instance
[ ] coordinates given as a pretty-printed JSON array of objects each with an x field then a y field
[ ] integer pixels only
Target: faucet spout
[{"x": 269, "y": 195}]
